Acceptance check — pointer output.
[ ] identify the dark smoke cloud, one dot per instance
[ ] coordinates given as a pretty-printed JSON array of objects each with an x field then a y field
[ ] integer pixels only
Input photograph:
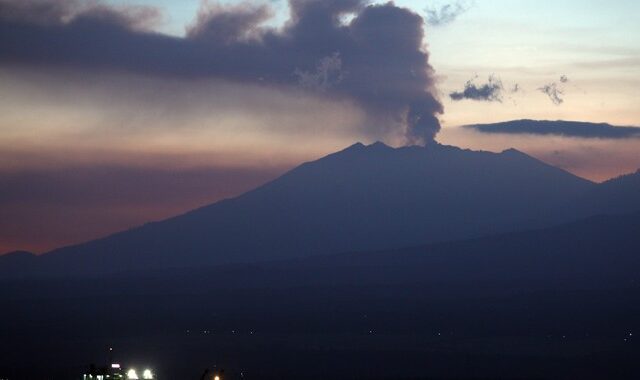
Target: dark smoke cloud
[
  {"x": 488, "y": 92},
  {"x": 377, "y": 60},
  {"x": 34, "y": 11},
  {"x": 445, "y": 14},
  {"x": 327, "y": 74},
  {"x": 56, "y": 12}
]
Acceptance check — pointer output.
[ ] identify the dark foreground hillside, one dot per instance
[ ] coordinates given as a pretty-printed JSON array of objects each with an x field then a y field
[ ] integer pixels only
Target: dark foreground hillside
[{"x": 562, "y": 302}]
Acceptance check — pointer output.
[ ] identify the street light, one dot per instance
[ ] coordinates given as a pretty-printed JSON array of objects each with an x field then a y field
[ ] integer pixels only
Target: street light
[
  {"x": 147, "y": 374},
  {"x": 132, "y": 375}
]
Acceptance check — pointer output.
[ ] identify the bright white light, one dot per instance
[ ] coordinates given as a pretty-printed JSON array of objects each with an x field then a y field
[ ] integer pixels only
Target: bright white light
[
  {"x": 115, "y": 365},
  {"x": 216, "y": 377},
  {"x": 132, "y": 374},
  {"x": 147, "y": 374}
]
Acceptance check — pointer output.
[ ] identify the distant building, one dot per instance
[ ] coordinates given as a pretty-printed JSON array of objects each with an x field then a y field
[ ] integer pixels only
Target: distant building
[{"x": 114, "y": 372}]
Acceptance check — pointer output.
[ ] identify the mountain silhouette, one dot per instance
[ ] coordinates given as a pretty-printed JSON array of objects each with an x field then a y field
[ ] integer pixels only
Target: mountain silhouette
[
  {"x": 618, "y": 195},
  {"x": 594, "y": 253},
  {"x": 598, "y": 252},
  {"x": 18, "y": 258},
  {"x": 361, "y": 198}
]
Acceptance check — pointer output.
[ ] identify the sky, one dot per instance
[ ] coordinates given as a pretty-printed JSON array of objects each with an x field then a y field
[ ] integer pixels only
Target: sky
[{"x": 116, "y": 113}]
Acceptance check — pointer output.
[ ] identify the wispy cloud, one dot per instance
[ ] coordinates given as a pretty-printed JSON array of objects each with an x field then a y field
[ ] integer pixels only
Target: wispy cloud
[
  {"x": 555, "y": 90},
  {"x": 438, "y": 15}
]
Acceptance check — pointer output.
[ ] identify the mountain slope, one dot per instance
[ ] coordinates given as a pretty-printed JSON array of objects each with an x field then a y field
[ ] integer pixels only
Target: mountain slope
[
  {"x": 594, "y": 253},
  {"x": 362, "y": 198},
  {"x": 16, "y": 260},
  {"x": 599, "y": 252},
  {"x": 618, "y": 195}
]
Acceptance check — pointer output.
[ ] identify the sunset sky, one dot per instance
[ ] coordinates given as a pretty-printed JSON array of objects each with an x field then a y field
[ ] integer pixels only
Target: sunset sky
[{"x": 116, "y": 113}]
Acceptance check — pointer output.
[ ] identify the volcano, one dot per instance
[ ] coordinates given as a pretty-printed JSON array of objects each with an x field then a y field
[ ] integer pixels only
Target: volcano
[{"x": 361, "y": 198}]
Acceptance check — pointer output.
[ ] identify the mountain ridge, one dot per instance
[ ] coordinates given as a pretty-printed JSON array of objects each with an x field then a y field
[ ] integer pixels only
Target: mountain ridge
[{"x": 364, "y": 197}]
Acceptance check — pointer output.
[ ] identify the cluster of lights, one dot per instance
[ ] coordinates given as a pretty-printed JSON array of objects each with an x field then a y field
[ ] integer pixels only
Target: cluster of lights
[
  {"x": 133, "y": 375},
  {"x": 117, "y": 372}
]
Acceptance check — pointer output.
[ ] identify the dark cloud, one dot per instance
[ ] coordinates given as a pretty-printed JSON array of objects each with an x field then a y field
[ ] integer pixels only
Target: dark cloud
[
  {"x": 488, "y": 92},
  {"x": 445, "y": 14},
  {"x": 559, "y": 128},
  {"x": 376, "y": 60}
]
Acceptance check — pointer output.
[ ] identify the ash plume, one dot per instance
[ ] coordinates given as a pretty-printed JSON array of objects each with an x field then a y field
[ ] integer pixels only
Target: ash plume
[{"x": 376, "y": 60}]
